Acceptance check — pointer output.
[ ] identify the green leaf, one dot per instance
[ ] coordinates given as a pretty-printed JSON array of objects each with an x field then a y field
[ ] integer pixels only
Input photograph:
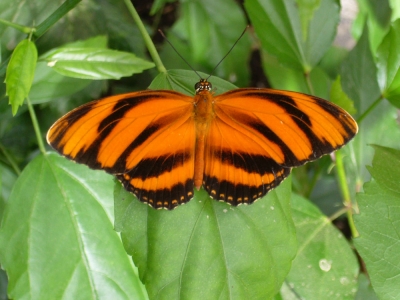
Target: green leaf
[
  {"x": 339, "y": 97},
  {"x": 378, "y": 223},
  {"x": 278, "y": 26},
  {"x": 95, "y": 63},
  {"x": 325, "y": 265},
  {"x": 207, "y": 249},
  {"x": 20, "y": 73},
  {"x": 184, "y": 80},
  {"x": 388, "y": 56},
  {"x": 57, "y": 238}
]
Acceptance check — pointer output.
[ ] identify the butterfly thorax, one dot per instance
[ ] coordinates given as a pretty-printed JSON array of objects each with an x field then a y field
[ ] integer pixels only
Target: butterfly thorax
[{"x": 203, "y": 106}]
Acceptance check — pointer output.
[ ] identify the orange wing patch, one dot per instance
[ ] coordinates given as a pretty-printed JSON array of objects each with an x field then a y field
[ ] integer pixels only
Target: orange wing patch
[{"x": 238, "y": 145}]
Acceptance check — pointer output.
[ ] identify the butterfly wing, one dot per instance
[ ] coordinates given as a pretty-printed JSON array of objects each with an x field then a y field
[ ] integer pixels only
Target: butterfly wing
[
  {"x": 258, "y": 135},
  {"x": 145, "y": 138}
]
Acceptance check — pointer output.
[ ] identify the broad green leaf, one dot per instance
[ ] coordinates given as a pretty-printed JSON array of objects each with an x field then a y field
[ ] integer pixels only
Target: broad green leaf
[
  {"x": 388, "y": 56},
  {"x": 278, "y": 26},
  {"x": 325, "y": 266},
  {"x": 57, "y": 239},
  {"x": 204, "y": 38},
  {"x": 20, "y": 73},
  {"x": 207, "y": 249},
  {"x": 184, "y": 80},
  {"x": 339, "y": 97},
  {"x": 49, "y": 85},
  {"x": 378, "y": 223},
  {"x": 95, "y": 63}
]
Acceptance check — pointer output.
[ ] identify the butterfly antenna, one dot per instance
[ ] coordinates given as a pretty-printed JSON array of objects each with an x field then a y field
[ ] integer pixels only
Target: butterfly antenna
[
  {"x": 162, "y": 33},
  {"x": 233, "y": 46}
]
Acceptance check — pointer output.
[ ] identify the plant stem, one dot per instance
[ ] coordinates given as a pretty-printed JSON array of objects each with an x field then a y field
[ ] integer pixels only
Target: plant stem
[
  {"x": 345, "y": 193},
  {"x": 147, "y": 40},
  {"x": 36, "y": 126},
  {"x": 369, "y": 109},
  {"x": 338, "y": 213},
  {"x": 21, "y": 28}
]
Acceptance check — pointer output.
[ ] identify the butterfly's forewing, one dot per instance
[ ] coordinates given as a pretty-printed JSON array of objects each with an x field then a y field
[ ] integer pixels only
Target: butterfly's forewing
[
  {"x": 257, "y": 135},
  {"x": 146, "y": 138}
]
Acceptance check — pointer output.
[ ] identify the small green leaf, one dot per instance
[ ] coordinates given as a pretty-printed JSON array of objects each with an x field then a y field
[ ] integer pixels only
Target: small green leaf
[
  {"x": 57, "y": 239},
  {"x": 325, "y": 264},
  {"x": 339, "y": 97},
  {"x": 20, "y": 73},
  {"x": 388, "y": 64},
  {"x": 95, "y": 63},
  {"x": 378, "y": 223}
]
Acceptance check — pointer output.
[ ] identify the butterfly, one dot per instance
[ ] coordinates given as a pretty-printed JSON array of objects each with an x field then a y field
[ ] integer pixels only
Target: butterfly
[{"x": 239, "y": 145}]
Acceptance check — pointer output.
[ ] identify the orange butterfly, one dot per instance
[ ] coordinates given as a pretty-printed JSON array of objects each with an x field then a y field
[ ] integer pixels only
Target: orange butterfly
[{"x": 238, "y": 145}]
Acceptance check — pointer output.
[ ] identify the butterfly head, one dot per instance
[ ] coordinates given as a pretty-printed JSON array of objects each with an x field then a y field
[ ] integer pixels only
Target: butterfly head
[{"x": 202, "y": 85}]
